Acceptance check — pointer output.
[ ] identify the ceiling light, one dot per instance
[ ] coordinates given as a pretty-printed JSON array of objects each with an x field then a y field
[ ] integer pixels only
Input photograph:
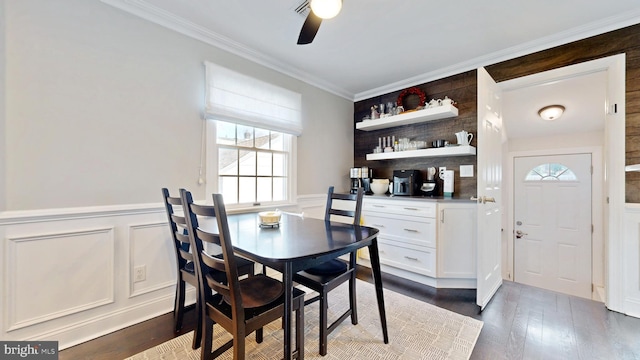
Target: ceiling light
[
  {"x": 326, "y": 9},
  {"x": 551, "y": 112}
]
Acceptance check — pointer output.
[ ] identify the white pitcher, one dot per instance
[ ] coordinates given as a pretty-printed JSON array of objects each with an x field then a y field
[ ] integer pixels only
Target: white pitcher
[{"x": 464, "y": 138}]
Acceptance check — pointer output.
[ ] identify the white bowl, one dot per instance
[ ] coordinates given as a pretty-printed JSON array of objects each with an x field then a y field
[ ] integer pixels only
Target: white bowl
[
  {"x": 380, "y": 186},
  {"x": 269, "y": 217}
]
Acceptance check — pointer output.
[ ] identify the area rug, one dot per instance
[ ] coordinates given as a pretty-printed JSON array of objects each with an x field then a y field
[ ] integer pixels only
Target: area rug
[{"x": 417, "y": 330}]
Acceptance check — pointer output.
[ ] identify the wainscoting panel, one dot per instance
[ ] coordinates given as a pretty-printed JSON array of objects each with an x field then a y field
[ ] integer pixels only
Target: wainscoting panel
[
  {"x": 149, "y": 251},
  {"x": 57, "y": 274}
]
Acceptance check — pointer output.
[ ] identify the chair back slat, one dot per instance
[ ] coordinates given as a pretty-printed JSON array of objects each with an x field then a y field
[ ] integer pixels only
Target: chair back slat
[
  {"x": 355, "y": 214},
  {"x": 205, "y": 263},
  {"x": 177, "y": 226}
]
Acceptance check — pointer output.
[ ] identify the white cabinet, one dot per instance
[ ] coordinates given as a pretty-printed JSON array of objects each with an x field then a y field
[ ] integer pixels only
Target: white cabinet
[
  {"x": 407, "y": 238},
  {"x": 424, "y": 240},
  {"x": 457, "y": 240}
]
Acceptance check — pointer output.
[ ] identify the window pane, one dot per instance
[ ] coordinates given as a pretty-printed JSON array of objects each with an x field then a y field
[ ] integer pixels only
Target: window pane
[
  {"x": 264, "y": 189},
  {"x": 228, "y": 162},
  {"x": 277, "y": 141},
  {"x": 245, "y": 136},
  {"x": 247, "y": 190},
  {"x": 228, "y": 187},
  {"x": 262, "y": 139},
  {"x": 279, "y": 165},
  {"x": 264, "y": 164},
  {"x": 247, "y": 162},
  {"x": 279, "y": 189},
  {"x": 551, "y": 172},
  {"x": 225, "y": 133}
]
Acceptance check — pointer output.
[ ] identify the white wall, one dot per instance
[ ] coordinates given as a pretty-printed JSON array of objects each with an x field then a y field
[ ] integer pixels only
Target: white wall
[
  {"x": 100, "y": 110},
  {"x": 103, "y": 108},
  {"x": 2, "y": 111}
]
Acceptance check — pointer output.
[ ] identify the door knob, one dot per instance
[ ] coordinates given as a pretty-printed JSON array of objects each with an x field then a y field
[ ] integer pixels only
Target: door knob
[{"x": 520, "y": 234}]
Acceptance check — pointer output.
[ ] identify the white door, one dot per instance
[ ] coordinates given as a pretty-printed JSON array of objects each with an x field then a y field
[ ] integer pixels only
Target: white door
[
  {"x": 552, "y": 214},
  {"x": 489, "y": 139}
]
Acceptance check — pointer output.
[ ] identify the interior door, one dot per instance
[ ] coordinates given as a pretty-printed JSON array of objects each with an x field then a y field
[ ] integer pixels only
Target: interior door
[
  {"x": 489, "y": 139},
  {"x": 552, "y": 214}
]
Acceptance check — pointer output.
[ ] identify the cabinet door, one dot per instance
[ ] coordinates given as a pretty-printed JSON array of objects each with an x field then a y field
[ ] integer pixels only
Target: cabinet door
[{"x": 456, "y": 241}]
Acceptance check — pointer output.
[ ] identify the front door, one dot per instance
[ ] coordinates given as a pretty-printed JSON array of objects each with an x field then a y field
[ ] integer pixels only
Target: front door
[
  {"x": 552, "y": 214},
  {"x": 489, "y": 189}
]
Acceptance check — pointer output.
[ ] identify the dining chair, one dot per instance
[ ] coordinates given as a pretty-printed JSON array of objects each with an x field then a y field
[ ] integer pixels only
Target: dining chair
[
  {"x": 184, "y": 262},
  {"x": 240, "y": 306},
  {"x": 329, "y": 275}
]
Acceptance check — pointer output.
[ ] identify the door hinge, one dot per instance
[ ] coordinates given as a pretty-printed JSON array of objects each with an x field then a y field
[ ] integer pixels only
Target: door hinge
[
  {"x": 591, "y": 169},
  {"x": 592, "y": 288},
  {"x": 592, "y": 228},
  {"x": 607, "y": 199}
]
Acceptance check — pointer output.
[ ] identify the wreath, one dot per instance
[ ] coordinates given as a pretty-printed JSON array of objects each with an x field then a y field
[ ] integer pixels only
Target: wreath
[{"x": 412, "y": 91}]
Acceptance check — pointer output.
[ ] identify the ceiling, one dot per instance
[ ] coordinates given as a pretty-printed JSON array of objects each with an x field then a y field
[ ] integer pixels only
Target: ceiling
[{"x": 373, "y": 47}]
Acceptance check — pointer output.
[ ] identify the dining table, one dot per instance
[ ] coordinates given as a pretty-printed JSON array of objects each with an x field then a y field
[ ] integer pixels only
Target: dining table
[{"x": 297, "y": 243}]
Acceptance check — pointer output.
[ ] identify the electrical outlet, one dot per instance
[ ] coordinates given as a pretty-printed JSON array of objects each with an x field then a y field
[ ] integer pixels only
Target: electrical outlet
[
  {"x": 139, "y": 273},
  {"x": 441, "y": 171}
]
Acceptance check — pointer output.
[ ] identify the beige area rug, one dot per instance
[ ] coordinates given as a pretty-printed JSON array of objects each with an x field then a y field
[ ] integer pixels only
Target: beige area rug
[{"x": 417, "y": 330}]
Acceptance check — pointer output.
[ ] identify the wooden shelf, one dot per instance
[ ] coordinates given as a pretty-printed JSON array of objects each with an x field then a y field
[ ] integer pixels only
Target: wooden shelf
[
  {"x": 406, "y": 118},
  {"x": 432, "y": 152}
]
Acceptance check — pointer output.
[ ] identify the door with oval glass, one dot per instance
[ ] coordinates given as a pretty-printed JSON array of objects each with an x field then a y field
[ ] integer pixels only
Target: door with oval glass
[{"x": 552, "y": 230}]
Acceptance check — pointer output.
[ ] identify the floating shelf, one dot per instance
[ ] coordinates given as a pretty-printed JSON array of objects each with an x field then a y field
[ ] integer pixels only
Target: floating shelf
[
  {"x": 411, "y": 117},
  {"x": 432, "y": 152},
  {"x": 635, "y": 167}
]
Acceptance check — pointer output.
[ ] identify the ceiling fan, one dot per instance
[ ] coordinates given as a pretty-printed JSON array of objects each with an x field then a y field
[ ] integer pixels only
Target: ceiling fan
[{"x": 319, "y": 9}]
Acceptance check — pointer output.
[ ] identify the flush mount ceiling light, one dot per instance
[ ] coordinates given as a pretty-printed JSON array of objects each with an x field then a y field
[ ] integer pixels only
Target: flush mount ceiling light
[
  {"x": 551, "y": 112},
  {"x": 326, "y": 9}
]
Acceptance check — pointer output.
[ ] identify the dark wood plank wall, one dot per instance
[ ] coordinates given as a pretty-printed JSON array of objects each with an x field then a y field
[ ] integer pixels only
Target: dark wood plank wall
[{"x": 461, "y": 88}]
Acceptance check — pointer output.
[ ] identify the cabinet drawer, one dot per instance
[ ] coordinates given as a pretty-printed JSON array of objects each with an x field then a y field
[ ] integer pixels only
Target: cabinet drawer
[
  {"x": 420, "y": 232},
  {"x": 409, "y": 208},
  {"x": 421, "y": 262}
]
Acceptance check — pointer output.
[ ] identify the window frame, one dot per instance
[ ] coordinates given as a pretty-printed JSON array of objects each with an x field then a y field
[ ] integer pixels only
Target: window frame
[{"x": 211, "y": 184}]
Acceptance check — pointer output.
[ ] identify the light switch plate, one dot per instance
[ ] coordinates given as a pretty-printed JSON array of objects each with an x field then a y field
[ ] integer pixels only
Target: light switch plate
[{"x": 466, "y": 170}]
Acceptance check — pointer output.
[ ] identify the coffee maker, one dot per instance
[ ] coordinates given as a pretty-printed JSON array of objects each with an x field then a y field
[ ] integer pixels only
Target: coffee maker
[
  {"x": 356, "y": 176},
  {"x": 360, "y": 177},
  {"x": 407, "y": 182}
]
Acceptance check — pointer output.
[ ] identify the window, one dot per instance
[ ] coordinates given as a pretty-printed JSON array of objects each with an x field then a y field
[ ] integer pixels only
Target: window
[
  {"x": 551, "y": 172},
  {"x": 253, "y": 164},
  {"x": 251, "y": 136}
]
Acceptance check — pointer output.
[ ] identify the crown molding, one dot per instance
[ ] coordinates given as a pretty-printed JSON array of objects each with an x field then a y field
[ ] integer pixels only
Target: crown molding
[
  {"x": 169, "y": 20},
  {"x": 143, "y": 9}
]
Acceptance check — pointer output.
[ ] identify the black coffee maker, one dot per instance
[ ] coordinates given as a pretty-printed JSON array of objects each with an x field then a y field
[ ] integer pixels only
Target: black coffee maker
[{"x": 407, "y": 182}]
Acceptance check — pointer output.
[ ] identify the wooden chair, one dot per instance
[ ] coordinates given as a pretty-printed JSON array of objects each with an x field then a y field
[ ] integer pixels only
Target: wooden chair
[
  {"x": 239, "y": 306},
  {"x": 184, "y": 262},
  {"x": 329, "y": 275}
]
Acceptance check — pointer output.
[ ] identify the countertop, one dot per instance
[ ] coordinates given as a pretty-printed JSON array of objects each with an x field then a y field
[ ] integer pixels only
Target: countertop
[{"x": 421, "y": 198}]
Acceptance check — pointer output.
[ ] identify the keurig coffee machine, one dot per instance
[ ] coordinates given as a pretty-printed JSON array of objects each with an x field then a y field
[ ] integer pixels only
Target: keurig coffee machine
[{"x": 407, "y": 182}]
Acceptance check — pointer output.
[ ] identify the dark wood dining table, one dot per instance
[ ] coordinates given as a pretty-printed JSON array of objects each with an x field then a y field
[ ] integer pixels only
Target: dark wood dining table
[{"x": 298, "y": 243}]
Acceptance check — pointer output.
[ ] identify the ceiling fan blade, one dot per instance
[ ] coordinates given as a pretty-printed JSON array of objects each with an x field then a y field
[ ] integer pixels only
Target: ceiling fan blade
[{"x": 309, "y": 29}]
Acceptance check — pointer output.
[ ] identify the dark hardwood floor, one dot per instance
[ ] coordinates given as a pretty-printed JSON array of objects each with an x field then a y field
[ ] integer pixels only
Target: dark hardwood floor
[{"x": 521, "y": 322}]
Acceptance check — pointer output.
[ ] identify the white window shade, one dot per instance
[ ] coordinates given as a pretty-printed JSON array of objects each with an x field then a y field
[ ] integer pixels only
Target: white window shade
[{"x": 241, "y": 99}]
